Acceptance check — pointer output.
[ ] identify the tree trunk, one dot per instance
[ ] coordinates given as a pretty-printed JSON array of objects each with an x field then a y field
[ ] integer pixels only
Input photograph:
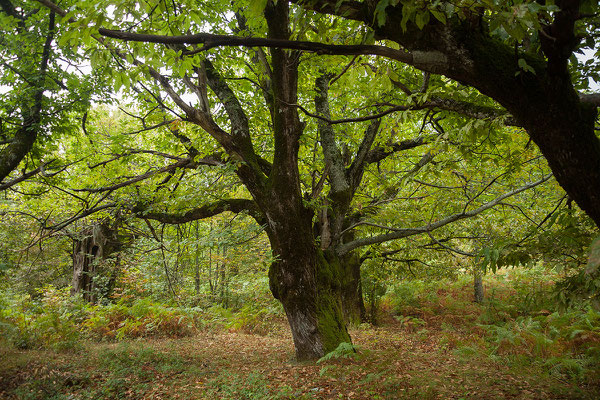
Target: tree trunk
[
  {"x": 353, "y": 305},
  {"x": 88, "y": 252},
  {"x": 197, "y": 261},
  {"x": 478, "y": 287},
  {"x": 309, "y": 287},
  {"x": 305, "y": 279}
]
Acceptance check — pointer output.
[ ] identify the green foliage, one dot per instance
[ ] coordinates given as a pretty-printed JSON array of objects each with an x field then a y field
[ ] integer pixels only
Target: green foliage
[
  {"x": 251, "y": 319},
  {"x": 344, "y": 350},
  {"x": 48, "y": 321},
  {"x": 57, "y": 320}
]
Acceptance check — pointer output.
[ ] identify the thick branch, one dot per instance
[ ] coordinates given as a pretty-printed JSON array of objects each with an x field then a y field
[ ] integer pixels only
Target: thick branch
[
  {"x": 206, "y": 211},
  {"x": 209, "y": 41},
  {"x": 340, "y": 188},
  {"x": 593, "y": 98},
  {"x": 356, "y": 169},
  {"x": 21, "y": 178}
]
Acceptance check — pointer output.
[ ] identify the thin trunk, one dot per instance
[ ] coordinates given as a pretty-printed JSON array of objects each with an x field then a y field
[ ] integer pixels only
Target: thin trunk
[
  {"x": 223, "y": 295},
  {"x": 478, "y": 287},
  {"x": 197, "y": 262}
]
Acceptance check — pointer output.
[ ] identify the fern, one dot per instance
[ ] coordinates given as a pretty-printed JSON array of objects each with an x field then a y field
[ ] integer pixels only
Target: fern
[{"x": 344, "y": 350}]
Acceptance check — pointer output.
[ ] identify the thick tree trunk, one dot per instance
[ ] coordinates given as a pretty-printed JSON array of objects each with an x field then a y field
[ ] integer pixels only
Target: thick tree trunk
[
  {"x": 307, "y": 283},
  {"x": 313, "y": 305},
  {"x": 353, "y": 305},
  {"x": 549, "y": 108}
]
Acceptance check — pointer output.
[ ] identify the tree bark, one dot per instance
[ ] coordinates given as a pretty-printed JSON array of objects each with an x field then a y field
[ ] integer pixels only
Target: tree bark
[
  {"x": 478, "y": 288},
  {"x": 353, "y": 305},
  {"x": 94, "y": 246},
  {"x": 307, "y": 281}
]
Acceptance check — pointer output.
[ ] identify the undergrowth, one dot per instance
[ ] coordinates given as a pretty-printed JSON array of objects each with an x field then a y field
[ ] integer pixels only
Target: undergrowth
[
  {"x": 519, "y": 323},
  {"x": 58, "y": 321}
]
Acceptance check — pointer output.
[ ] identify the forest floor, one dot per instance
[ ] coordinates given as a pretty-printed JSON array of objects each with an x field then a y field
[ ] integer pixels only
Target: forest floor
[
  {"x": 431, "y": 343},
  {"x": 396, "y": 361}
]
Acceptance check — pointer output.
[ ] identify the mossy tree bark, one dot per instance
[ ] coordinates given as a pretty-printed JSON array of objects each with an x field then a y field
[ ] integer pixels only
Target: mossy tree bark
[{"x": 352, "y": 294}]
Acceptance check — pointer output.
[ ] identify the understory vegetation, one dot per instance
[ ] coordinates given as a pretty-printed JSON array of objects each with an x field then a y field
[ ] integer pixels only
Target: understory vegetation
[{"x": 432, "y": 341}]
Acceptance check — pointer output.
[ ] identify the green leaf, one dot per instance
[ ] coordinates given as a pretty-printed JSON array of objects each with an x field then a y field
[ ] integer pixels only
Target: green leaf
[
  {"x": 440, "y": 16},
  {"x": 380, "y": 14},
  {"x": 421, "y": 19},
  {"x": 525, "y": 67},
  {"x": 256, "y": 7}
]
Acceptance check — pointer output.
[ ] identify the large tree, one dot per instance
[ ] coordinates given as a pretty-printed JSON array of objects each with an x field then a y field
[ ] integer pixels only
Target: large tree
[
  {"x": 520, "y": 55},
  {"x": 312, "y": 230}
]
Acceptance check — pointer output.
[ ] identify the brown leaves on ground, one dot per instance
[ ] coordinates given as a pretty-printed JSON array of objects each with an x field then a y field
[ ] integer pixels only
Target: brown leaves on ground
[{"x": 395, "y": 362}]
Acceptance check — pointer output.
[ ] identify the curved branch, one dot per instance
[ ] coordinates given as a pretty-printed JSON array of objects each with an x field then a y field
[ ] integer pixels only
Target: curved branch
[
  {"x": 206, "y": 211},
  {"x": 405, "y": 232},
  {"x": 183, "y": 163}
]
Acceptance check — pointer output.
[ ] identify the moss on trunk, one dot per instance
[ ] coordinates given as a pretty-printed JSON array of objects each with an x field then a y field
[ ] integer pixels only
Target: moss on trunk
[{"x": 330, "y": 315}]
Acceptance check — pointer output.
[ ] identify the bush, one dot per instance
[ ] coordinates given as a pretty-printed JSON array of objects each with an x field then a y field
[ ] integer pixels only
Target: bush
[
  {"x": 50, "y": 321},
  {"x": 143, "y": 318}
]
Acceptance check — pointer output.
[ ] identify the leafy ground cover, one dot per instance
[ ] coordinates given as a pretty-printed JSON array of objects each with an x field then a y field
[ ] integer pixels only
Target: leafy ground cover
[{"x": 433, "y": 342}]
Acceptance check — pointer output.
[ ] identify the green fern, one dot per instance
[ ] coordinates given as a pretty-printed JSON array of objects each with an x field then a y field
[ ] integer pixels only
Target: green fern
[{"x": 344, "y": 350}]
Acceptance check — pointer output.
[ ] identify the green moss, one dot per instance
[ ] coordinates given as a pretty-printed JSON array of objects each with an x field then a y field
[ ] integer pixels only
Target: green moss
[{"x": 330, "y": 319}]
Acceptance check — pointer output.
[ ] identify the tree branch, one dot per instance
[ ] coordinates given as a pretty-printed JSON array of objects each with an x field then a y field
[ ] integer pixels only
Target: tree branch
[
  {"x": 206, "y": 211},
  {"x": 183, "y": 163},
  {"x": 593, "y": 98},
  {"x": 210, "y": 41},
  {"x": 380, "y": 153},
  {"x": 405, "y": 232}
]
